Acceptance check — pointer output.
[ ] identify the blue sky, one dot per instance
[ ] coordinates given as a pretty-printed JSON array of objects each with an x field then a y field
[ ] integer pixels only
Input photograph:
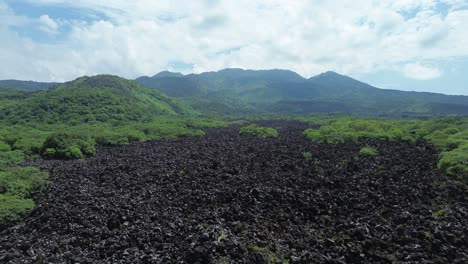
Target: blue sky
[{"x": 419, "y": 45}]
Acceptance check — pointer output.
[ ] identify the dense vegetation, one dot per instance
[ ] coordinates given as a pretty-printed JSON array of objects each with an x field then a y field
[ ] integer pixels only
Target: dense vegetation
[
  {"x": 449, "y": 135},
  {"x": 17, "y": 186},
  {"x": 28, "y": 86},
  {"x": 68, "y": 146},
  {"x": 102, "y": 98},
  {"x": 237, "y": 91}
]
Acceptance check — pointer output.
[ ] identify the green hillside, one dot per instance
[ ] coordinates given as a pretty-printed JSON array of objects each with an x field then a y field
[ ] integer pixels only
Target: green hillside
[
  {"x": 10, "y": 97},
  {"x": 281, "y": 91},
  {"x": 28, "y": 86},
  {"x": 100, "y": 98}
]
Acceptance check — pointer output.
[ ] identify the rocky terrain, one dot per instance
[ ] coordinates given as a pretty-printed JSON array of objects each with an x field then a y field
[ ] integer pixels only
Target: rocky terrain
[{"x": 222, "y": 198}]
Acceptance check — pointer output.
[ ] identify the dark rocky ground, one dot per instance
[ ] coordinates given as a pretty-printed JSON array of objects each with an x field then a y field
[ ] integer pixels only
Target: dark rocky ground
[{"x": 226, "y": 199}]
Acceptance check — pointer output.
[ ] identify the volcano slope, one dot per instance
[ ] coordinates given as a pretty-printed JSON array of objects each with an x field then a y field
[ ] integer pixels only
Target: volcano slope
[{"x": 226, "y": 199}]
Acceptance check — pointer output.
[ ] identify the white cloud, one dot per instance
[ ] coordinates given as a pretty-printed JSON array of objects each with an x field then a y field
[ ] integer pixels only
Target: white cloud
[
  {"x": 143, "y": 37},
  {"x": 421, "y": 72},
  {"x": 48, "y": 25}
]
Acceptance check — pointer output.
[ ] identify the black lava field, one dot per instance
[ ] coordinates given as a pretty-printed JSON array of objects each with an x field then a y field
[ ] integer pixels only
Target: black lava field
[{"x": 226, "y": 199}]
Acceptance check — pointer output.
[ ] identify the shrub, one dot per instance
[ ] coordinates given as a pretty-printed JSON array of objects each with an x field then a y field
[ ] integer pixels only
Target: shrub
[
  {"x": 313, "y": 135},
  {"x": 10, "y": 158},
  {"x": 205, "y": 123},
  {"x": 257, "y": 131},
  {"x": 135, "y": 136},
  {"x": 111, "y": 139},
  {"x": 352, "y": 130},
  {"x": 22, "y": 182},
  {"x": 12, "y": 209},
  {"x": 307, "y": 155},
  {"x": 17, "y": 185},
  {"x": 73, "y": 152},
  {"x": 64, "y": 145},
  {"x": 168, "y": 130},
  {"x": 332, "y": 135},
  {"x": 455, "y": 162},
  {"x": 451, "y": 130},
  {"x": 419, "y": 133},
  {"x": 439, "y": 124},
  {"x": 4, "y": 146},
  {"x": 368, "y": 152},
  {"x": 3, "y": 183},
  {"x": 446, "y": 139},
  {"x": 29, "y": 146}
]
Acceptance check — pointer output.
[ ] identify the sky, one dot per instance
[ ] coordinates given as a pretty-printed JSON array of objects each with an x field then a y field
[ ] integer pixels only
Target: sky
[{"x": 416, "y": 45}]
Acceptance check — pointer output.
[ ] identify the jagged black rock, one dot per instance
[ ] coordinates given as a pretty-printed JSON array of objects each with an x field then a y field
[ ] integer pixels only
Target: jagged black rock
[{"x": 223, "y": 198}]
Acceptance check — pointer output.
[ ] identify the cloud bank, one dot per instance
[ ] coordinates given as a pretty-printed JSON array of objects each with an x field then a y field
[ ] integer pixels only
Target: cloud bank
[{"x": 143, "y": 37}]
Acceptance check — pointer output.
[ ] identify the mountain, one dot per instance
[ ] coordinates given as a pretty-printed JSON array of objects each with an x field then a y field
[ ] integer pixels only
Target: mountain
[
  {"x": 28, "y": 86},
  {"x": 168, "y": 74},
  {"x": 145, "y": 80},
  {"x": 282, "y": 91},
  {"x": 332, "y": 78},
  {"x": 89, "y": 99},
  {"x": 228, "y": 91},
  {"x": 223, "y": 92}
]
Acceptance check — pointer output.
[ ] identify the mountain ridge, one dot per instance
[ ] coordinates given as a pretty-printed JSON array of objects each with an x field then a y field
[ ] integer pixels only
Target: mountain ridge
[
  {"x": 17, "y": 84},
  {"x": 239, "y": 91},
  {"x": 168, "y": 74},
  {"x": 326, "y": 73},
  {"x": 28, "y": 86},
  {"x": 286, "y": 91}
]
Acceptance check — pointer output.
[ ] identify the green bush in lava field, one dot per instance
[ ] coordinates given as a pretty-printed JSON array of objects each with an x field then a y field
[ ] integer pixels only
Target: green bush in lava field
[{"x": 257, "y": 131}]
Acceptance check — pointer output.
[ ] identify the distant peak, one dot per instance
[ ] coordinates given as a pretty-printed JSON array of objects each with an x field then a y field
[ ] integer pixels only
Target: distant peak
[
  {"x": 96, "y": 77},
  {"x": 330, "y": 73},
  {"x": 334, "y": 78},
  {"x": 232, "y": 70},
  {"x": 168, "y": 74},
  {"x": 271, "y": 74}
]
